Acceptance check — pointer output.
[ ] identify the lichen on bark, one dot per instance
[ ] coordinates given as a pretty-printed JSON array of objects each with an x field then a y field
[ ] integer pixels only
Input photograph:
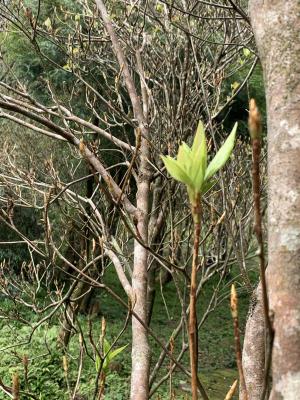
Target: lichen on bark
[{"x": 276, "y": 26}]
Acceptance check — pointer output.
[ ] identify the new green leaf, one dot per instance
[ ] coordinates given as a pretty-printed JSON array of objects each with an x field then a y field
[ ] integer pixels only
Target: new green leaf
[
  {"x": 190, "y": 167},
  {"x": 97, "y": 363},
  {"x": 184, "y": 154},
  {"x": 222, "y": 155},
  {"x": 175, "y": 170},
  {"x": 114, "y": 353}
]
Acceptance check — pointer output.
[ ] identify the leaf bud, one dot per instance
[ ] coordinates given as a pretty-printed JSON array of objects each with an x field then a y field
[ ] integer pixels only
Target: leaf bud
[
  {"x": 254, "y": 120},
  {"x": 234, "y": 302}
]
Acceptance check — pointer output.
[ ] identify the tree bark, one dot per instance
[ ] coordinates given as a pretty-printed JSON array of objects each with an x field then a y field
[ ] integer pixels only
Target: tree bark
[
  {"x": 254, "y": 349},
  {"x": 140, "y": 345},
  {"x": 276, "y": 26}
]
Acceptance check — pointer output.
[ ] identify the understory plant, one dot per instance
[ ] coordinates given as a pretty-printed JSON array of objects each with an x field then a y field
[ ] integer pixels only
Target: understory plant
[
  {"x": 104, "y": 357},
  {"x": 191, "y": 168}
]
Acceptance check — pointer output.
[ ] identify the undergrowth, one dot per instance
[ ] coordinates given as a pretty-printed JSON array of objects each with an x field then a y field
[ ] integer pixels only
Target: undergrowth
[{"x": 46, "y": 378}]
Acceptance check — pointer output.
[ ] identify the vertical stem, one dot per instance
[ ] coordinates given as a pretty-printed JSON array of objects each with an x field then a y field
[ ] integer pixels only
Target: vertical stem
[
  {"x": 237, "y": 340},
  {"x": 255, "y": 130},
  {"x": 193, "y": 327},
  {"x": 256, "y": 149},
  {"x": 172, "y": 394},
  {"x": 16, "y": 387},
  {"x": 239, "y": 357},
  {"x": 101, "y": 385}
]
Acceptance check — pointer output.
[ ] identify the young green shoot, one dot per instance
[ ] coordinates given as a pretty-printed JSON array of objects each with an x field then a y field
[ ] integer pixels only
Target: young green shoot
[{"x": 191, "y": 168}]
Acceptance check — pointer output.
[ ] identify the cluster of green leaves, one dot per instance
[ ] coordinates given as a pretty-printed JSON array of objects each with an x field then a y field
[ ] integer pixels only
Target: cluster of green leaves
[
  {"x": 108, "y": 356},
  {"x": 46, "y": 378},
  {"x": 45, "y": 375},
  {"x": 191, "y": 167}
]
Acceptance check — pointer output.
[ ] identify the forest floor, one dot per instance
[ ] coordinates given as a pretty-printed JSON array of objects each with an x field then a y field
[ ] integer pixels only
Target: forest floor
[
  {"x": 217, "y": 359},
  {"x": 47, "y": 380}
]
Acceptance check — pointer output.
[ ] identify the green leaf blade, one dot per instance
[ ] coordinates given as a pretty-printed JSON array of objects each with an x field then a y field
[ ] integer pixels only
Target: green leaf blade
[
  {"x": 198, "y": 138},
  {"x": 198, "y": 158},
  {"x": 199, "y": 148},
  {"x": 176, "y": 170},
  {"x": 97, "y": 363},
  {"x": 197, "y": 172},
  {"x": 106, "y": 346},
  {"x": 110, "y": 355},
  {"x": 222, "y": 155},
  {"x": 114, "y": 353},
  {"x": 184, "y": 154}
]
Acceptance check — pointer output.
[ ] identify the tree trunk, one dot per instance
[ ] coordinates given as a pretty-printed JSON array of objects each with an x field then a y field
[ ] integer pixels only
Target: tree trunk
[
  {"x": 140, "y": 345},
  {"x": 276, "y": 26}
]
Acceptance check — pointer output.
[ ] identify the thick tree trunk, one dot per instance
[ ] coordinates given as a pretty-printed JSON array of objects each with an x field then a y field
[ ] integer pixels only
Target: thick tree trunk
[{"x": 276, "y": 26}]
